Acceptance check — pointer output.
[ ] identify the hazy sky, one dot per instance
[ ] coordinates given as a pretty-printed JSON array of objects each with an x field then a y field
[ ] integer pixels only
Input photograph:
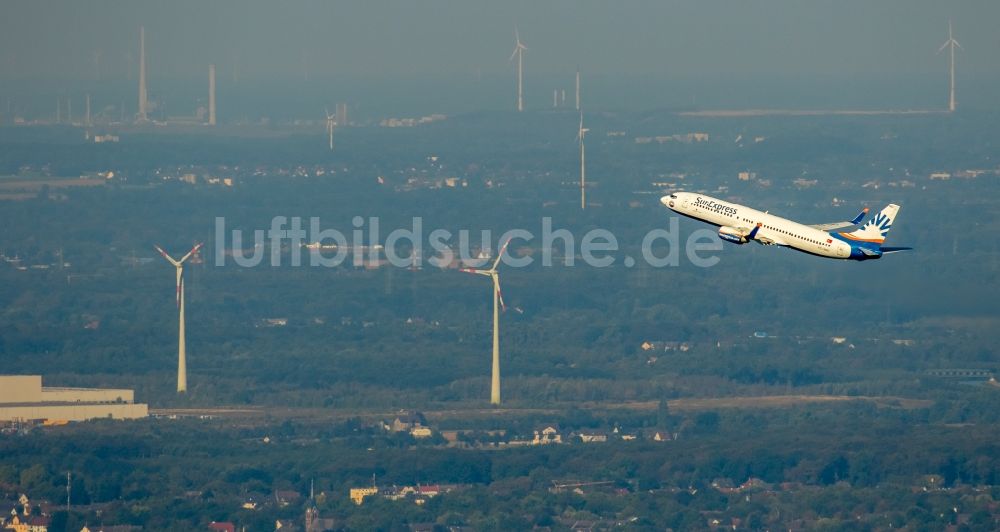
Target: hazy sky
[{"x": 59, "y": 39}]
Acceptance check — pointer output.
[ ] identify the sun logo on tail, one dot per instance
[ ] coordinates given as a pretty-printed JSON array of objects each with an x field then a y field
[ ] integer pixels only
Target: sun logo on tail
[{"x": 881, "y": 222}]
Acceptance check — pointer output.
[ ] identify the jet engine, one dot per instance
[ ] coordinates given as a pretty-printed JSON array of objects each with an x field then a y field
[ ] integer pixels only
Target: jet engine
[{"x": 736, "y": 235}]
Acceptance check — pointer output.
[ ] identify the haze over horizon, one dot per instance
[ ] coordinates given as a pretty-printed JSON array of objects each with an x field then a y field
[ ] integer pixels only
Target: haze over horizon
[{"x": 777, "y": 50}]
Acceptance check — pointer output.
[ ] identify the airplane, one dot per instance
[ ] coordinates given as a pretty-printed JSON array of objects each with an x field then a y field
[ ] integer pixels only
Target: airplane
[{"x": 739, "y": 224}]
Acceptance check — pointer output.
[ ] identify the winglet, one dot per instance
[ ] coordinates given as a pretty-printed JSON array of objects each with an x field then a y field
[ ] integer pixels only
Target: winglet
[
  {"x": 861, "y": 216},
  {"x": 753, "y": 233}
]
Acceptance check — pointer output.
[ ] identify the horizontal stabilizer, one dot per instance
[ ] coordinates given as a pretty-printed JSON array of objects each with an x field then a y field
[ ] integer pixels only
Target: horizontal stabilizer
[{"x": 894, "y": 249}]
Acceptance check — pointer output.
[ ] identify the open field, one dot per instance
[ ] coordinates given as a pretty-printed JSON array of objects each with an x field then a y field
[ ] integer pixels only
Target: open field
[{"x": 676, "y": 405}]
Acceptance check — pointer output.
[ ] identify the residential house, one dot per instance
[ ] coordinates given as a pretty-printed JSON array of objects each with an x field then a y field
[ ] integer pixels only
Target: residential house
[
  {"x": 285, "y": 497},
  {"x": 27, "y": 523},
  {"x": 546, "y": 434},
  {"x": 753, "y": 483},
  {"x": 592, "y": 437},
  {"x": 253, "y": 501},
  {"x": 406, "y": 421},
  {"x": 659, "y": 345},
  {"x": 358, "y": 494},
  {"x": 395, "y": 493},
  {"x": 421, "y": 432},
  {"x": 662, "y": 435},
  {"x": 315, "y": 523},
  {"x": 222, "y": 527},
  {"x": 431, "y": 490}
]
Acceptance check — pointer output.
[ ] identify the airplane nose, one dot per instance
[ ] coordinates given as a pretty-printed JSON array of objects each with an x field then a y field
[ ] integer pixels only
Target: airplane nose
[{"x": 668, "y": 201}]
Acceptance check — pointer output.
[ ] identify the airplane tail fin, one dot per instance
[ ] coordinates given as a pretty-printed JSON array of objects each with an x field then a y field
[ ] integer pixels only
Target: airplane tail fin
[{"x": 873, "y": 233}]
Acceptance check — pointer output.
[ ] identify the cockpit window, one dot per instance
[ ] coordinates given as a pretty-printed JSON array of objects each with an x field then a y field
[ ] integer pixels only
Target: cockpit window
[{"x": 673, "y": 196}]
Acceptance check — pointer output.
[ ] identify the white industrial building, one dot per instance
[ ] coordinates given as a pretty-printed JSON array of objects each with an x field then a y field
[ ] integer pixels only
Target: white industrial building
[{"x": 22, "y": 397}]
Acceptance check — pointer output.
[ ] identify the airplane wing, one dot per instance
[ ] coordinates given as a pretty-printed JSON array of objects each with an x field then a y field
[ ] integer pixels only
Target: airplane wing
[
  {"x": 767, "y": 241},
  {"x": 768, "y": 238},
  {"x": 838, "y": 225}
]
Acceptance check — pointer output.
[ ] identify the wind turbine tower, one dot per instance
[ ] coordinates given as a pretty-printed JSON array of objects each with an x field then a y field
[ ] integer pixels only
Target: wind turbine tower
[
  {"x": 951, "y": 43},
  {"x": 341, "y": 114},
  {"x": 577, "y": 88},
  {"x": 519, "y": 49},
  {"x": 181, "y": 351},
  {"x": 211, "y": 95},
  {"x": 141, "y": 117},
  {"x": 498, "y": 304},
  {"x": 581, "y": 133},
  {"x": 330, "y": 123},
  {"x": 86, "y": 120}
]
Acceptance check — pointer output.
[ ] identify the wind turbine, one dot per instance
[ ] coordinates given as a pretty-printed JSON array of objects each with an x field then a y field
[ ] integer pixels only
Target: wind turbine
[
  {"x": 951, "y": 43},
  {"x": 578, "y": 87},
  {"x": 519, "y": 49},
  {"x": 581, "y": 133},
  {"x": 498, "y": 304},
  {"x": 329, "y": 126},
  {"x": 143, "y": 97},
  {"x": 181, "y": 353}
]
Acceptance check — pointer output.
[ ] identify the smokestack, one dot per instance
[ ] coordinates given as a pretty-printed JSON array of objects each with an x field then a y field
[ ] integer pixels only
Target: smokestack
[
  {"x": 142, "y": 75},
  {"x": 211, "y": 95}
]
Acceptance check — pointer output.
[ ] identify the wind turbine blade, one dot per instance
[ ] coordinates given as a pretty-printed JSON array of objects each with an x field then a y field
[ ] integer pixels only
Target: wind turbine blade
[
  {"x": 500, "y": 255},
  {"x": 513, "y": 54},
  {"x": 958, "y": 45},
  {"x": 168, "y": 257},
  {"x": 192, "y": 252},
  {"x": 943, "y": 46},
  {"x": 496, "y": 286}
]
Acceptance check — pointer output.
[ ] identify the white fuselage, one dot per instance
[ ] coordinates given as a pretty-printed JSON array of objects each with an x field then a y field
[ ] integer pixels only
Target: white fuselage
[{"x": 773, "y": 229}]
